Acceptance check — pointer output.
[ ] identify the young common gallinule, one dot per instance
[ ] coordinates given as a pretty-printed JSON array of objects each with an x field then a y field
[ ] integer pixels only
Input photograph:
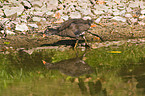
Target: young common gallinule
[{"x": 72, "y": 28}]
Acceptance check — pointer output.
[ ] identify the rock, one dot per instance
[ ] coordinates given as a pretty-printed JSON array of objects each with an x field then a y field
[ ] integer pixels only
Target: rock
[
  {"x": 33, "y": 25},
  {"x": 8, "y": 32},
  {"x": 128, "y": 9},
  {"x": 14, "y": 1},
  {"x": 86, "y": 11},
  {"x": 87, "y": 18},
  {"x": 141, "y": 23},
  {"x": 44, "y": 9},
  {"x": 142, "y": 5},
  {"x": 1, "y": 13},
  {"x": 128, "y": 15},
  {"x": 134, "y": 4},
  {"x": 21, "y": 27},
  {"x": 75, "y": 15},
  {"x": 37, "y": 4},
  {"x": 143, "y": 11},
  {"x": 9, "y": 11},
  {"x": 49, "y": 13},
  {"x": 38, "y": 13},
  {"x": 52, "y": 4},
  {"x": 142, "y": 16},
  {"x": 98, "y": 20},
  {"x": 118, "y": 18},
  {"x": 19, "y": 20},
  {"x": 121, "y": 7},
  {"x": 26, "y": 4},
  {"x": 97, "y": 12},
  {"x": 84, "y": 5},
  {"x": 109, "y": 3},
  {"x": 70, "y": 8},
  {"x": 133, "y": 20},
  {"x": 108, "y": 17},
  {"x": 116, "y": 13},
  {"x": 38, "y": 19},
  {"x": 122, "y": 12},
  {"x": 100, "y": 9},
  {"x": 65, "y": 17}
]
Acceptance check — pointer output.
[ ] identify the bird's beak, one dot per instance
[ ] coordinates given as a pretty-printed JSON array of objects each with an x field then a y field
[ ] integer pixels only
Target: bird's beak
[{"x": 92, "y": 25}]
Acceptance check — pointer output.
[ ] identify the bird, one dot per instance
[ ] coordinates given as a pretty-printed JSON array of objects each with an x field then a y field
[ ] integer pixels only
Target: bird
[{"x": 73, "y": 28}]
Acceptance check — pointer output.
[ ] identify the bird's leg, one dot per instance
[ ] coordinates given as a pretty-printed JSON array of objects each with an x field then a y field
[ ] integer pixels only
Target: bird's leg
[
  {"x": 83, "y": 35},
  {"x": 76, "y": 48},
  {"x": 86, "y": 43},
  {"x": 76, "y": 44}
]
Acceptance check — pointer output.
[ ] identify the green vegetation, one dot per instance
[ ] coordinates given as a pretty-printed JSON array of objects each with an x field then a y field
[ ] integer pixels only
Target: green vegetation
[
  {"x": 24, "y": 74},
  {"x": 130, "y": 53},
  {"x": 2, "y": 1}
]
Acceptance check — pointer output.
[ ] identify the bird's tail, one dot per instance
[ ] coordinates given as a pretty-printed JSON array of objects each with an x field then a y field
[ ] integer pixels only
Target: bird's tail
[
  {"x": 50, "y": 31},
  {"x": 96, "y": 35}
]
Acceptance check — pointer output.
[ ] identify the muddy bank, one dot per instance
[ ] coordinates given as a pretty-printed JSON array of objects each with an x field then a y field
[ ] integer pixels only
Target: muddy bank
[{"x": 109, "y": 32}]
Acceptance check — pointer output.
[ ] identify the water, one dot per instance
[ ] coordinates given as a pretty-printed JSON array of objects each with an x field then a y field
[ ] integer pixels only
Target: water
[{"x": 95, "y": 72}]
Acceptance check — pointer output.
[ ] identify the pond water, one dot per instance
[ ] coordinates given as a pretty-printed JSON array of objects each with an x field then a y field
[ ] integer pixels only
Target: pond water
[{"x": 107, "y": 71}]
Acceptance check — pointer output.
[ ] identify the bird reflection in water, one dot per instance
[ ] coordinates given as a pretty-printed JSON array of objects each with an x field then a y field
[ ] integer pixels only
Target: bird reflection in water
[{"x": 72, "y": 67}]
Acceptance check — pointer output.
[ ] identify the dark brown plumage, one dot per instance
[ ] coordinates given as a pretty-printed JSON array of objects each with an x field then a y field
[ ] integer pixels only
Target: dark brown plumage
[
  {"x": 74, "y": 27},
  {"x": 71, "y": 28}
]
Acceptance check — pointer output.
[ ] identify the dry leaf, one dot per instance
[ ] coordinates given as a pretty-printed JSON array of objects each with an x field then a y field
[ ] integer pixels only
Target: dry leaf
[
  {"x": 114, "y": 51},
  {"x": 101, "y": 2},
  {"x": 96, "y": 38},
  {"x": 135, "y": 15},
  {"x": 57, "y": 15},
  {"x": 114, "y": 23},
  {"x": 9, "y": 28},
  {"x": 116, "y": 2},
  {"x": 44, "y": 35}
]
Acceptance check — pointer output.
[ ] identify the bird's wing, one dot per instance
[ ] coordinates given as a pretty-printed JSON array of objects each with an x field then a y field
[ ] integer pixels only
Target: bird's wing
[
  {"x": 67, "y": 32},
  {"x": 67, "y": 23},
  {"x": 83, "y": 27}
]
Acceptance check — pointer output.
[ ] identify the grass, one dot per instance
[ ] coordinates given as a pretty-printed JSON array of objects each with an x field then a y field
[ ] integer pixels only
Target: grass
[
  {"x": 26, "y": 73},
  {"x": 130, "y": 53}
]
